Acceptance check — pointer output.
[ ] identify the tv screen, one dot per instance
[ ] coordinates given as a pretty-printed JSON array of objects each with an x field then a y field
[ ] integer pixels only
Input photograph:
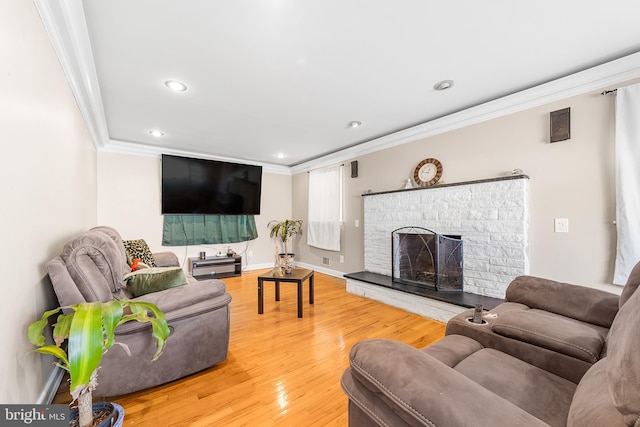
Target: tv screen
[{"x": 211, "y": 187}]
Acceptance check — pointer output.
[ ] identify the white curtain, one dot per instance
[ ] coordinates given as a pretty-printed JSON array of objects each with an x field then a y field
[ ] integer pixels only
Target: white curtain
[
  {"x": 325, "y": 208},
  {"x": 627, "y": 181}
]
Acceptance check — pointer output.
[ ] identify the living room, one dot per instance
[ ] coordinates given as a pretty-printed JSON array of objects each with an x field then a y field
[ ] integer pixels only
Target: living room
[{"x": 57, "y": 184}]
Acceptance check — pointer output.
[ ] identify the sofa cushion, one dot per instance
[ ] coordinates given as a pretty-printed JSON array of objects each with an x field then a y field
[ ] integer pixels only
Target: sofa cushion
[
  {"x": 592, "y": 403},
  {"x": 553, "y": 332},
  {"x": 139, "y": 249},
  {"x": 623, "y": 361},
  {"x": 544, "y": 395},
  {"x": 586, "y": 304},
  {"x": 633, "y": 282},
  {"x": 422, "y": 390},
  {"x": 93, "y": 263},
  {"x": 115, "y": 236},
  {"x": 154, "y": 279},
  {"x": 452, "y": 349}
]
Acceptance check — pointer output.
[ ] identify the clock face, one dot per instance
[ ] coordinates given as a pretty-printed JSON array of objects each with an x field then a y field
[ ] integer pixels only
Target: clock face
[{"x": 428, "y": 172}]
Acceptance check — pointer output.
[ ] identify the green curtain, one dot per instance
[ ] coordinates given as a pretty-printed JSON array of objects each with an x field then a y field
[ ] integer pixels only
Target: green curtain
[{"x": 184, "y": 230}]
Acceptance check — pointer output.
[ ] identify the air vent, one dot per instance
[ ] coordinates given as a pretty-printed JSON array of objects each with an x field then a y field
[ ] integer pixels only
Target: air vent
[{"x": 325, "y": 260}]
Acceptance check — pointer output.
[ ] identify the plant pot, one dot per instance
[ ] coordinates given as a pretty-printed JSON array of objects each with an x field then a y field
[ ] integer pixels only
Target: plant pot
[
  {"x": 116, "y": 419},
  {"x": 286, "y": 262}
]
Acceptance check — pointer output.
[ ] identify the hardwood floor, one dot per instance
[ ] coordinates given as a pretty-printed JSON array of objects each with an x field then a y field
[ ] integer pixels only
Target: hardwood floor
[{"x": 281, "y": 370}]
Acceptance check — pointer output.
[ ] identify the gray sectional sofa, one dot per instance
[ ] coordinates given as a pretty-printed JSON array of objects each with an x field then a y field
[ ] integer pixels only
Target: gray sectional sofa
[
  {"x": 91, "y": 267},
  {"x": 553, "y": 354}
]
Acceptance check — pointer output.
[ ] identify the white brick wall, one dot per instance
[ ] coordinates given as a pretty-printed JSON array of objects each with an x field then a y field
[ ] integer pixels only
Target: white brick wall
[{"x": 492, "y": 217}]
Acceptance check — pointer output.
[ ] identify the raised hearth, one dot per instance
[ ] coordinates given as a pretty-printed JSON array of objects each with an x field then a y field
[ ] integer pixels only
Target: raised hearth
[{"x": 461, "y": 299}]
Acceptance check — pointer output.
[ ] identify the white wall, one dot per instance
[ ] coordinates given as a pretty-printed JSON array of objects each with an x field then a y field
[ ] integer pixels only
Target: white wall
[
  {"x": 571, "y": 179},
  {"x": 48, "y": 179},
  {"x": 129, "y": 200}
]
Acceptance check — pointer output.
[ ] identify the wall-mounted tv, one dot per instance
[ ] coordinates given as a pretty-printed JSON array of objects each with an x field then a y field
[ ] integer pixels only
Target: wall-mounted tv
[{"x": 198, "y": 186}]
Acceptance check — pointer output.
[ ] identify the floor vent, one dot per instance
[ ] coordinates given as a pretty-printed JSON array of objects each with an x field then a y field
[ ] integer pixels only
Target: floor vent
[{"x": 325, "y": 260}]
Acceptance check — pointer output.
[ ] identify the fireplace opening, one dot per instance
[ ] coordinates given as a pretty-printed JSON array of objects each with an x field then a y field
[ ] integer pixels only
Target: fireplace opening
[{"x": 424, "y": 258}]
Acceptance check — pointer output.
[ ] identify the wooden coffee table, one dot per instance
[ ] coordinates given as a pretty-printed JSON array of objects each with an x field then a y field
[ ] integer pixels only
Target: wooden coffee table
[{"x": 298, "y": 275}]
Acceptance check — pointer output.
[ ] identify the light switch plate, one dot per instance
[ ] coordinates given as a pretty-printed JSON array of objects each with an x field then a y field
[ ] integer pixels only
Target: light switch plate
[{"x": 561, "y": 225}]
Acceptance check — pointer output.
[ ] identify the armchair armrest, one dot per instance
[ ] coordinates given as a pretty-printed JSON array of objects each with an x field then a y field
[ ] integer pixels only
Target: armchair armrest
[
  {"x": 166, "y": 259},
  {"x": 422, "y": 390},
  {"x": 578, "y": 302}
]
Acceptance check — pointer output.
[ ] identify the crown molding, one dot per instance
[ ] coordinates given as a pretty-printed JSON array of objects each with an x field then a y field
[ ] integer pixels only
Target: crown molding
[
  {"x": 65, "y": 23},
  {"x": 135, "y": 149}
]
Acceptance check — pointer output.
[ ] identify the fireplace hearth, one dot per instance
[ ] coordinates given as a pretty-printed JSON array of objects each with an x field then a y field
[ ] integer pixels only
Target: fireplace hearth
[{"x": 423, "y": 258}]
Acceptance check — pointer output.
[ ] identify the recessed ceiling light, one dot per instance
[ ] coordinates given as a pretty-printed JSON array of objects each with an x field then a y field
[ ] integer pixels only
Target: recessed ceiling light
[
  {"x": 354, "y": 124},
  {"x": 443, "y": 85},
  {"x": 175, "y": 85},
  {"x": 280, "y": 155},
  {"x": 156, "y": 133}
]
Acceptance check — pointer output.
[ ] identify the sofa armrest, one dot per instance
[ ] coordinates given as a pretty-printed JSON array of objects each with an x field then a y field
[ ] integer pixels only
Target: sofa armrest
[
  {"x": 166, "y": 259},
  {"x": 183, "y": 302},
  {"x": 578, "y": 302},
  {"x": 422, "y": 390}
]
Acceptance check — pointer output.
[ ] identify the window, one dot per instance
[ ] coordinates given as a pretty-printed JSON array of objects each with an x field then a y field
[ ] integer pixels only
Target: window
[{"x": 325, "y": 208}]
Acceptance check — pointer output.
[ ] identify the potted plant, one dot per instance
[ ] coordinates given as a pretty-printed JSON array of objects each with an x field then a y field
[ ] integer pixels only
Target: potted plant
[
  {"x": 284, "y": 231},
  {"x": 89, "y": 329}
]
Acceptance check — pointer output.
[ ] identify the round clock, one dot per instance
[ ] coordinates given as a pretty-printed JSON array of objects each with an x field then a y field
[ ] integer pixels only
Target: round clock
[{"x": 428, "y": 172}]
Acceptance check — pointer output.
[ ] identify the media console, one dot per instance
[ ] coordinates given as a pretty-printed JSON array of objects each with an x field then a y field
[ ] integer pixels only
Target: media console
[{"x": 215, "y": 267}]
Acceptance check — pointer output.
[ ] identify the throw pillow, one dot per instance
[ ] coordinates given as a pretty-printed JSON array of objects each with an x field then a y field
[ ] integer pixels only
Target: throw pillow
[
  {"x": 154, "y": 279},
  {"x": 139, "y": 249}
]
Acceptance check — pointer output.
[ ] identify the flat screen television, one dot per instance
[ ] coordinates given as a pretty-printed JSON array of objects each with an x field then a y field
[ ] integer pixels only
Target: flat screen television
[{"x": 209, "y": 187}]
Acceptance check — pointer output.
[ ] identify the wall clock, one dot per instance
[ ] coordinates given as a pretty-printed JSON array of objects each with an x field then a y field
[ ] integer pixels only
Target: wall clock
[{"x": 428, "y": 172}]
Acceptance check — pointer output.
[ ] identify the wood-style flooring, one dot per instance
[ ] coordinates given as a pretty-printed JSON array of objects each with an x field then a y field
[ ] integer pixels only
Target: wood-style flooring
[{"x": 281, "y": 370}]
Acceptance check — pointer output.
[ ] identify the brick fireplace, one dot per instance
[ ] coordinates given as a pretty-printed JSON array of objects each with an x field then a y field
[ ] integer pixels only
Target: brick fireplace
[{"x": 491, "y": 216}]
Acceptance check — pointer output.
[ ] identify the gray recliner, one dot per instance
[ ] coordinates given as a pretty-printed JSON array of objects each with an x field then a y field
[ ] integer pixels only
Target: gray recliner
[{"x": 91, "y": 268}]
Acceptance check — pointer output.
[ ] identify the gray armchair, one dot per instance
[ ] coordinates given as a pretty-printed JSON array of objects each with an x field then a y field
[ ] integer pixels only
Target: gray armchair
[{"x": 91, "y": 268}]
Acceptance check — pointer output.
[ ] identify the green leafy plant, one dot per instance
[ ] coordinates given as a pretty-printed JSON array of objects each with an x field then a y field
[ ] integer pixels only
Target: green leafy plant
[
  {"x": 89, "y": 329},
  {"x": 285, "y": 230}
]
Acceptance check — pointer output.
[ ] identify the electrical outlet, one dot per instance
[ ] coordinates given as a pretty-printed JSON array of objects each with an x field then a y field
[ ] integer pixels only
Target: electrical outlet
[
  {"x": 561, "y": 225},
  {"x": 357, "y": 223},
  {"x": 249, "y": 254},
  {"x": 342, "y": 258}
]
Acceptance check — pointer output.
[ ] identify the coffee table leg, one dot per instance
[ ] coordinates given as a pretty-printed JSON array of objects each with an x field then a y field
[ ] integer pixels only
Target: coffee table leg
[
  {"x": 299, "y": 298},
  {"x": 311, "y": 289},
  {"x": 260, "y": 297}
]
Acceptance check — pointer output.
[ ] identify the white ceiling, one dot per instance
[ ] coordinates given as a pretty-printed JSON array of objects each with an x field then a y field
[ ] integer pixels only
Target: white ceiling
[{"x": 286, "y": 76}]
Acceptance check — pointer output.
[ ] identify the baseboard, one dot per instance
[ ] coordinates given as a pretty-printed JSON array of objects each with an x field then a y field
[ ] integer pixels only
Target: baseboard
[
  {"x": 320, "y": 269},
  {"x": 51, "y": 387}
]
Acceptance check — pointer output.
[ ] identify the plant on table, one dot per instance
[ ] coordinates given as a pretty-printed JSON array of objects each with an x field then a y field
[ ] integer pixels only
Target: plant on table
[
  {"x": 89, "y": 329},
  {"x": 285, "y": 231}
]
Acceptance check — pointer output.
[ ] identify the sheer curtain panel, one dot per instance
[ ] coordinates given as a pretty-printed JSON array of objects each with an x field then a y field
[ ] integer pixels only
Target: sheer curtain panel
[
  {"x": 627, "y": 181},
  {"x": 325, "y": 208}
]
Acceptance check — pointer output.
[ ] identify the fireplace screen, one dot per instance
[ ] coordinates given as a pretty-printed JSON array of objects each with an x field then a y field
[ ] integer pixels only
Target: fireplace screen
[{"x": 427, "y": 259}]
